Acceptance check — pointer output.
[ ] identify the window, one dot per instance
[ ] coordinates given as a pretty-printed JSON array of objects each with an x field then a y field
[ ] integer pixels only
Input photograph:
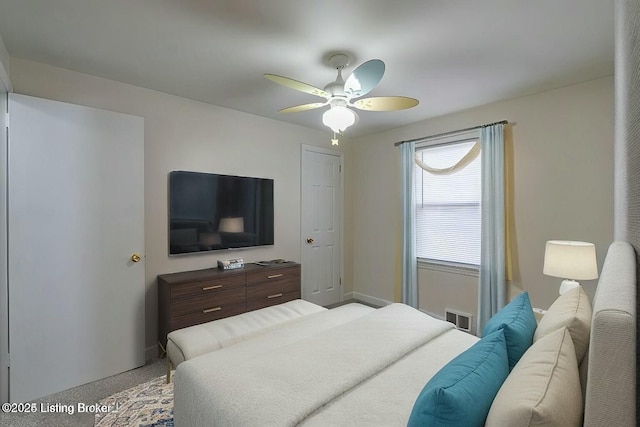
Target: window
[{"x": 448, "y": 206}]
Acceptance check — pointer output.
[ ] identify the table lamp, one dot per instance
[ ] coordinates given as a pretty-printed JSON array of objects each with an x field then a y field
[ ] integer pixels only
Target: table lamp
[{"x": 570, "y": 261}]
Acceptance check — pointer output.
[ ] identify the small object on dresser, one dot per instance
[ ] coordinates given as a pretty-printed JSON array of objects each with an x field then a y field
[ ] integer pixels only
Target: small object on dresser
[
  {"x": 230, "y": 264},
  {"x": 263, "y": 263}
]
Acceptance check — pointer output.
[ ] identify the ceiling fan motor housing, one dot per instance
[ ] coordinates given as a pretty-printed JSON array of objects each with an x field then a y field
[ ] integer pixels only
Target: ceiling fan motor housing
[
  {"x": 338, "y": 102},
  {"x": 335, "y": 88},
  {"x": 338, "y": 61}
]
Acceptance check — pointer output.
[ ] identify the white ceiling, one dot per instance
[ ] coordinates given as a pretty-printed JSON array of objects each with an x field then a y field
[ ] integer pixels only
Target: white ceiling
[{"x": 449, "y": 54}]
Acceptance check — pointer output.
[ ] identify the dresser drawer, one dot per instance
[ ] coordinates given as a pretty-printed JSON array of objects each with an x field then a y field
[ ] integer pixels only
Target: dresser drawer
[
  {"x": 272, "y": 275},
  {"x": 207, "y": 287},
  {"x": 269, "y": 300},
  {"x": 272, "y": 289},
  {"x": 200, "y": 317},
  {"x": 208, "y": 303}
]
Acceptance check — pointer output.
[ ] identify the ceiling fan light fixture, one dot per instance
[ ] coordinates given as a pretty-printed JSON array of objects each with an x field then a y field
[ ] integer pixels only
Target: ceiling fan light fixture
[{"x": 338, "y": 118}]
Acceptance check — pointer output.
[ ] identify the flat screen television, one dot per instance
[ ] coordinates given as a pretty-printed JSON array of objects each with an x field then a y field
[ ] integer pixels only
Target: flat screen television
[{"x": 210, "y": 212}]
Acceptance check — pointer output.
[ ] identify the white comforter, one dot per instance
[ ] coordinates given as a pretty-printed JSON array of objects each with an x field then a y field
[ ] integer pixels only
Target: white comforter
[{"x": 340, "y": 376}]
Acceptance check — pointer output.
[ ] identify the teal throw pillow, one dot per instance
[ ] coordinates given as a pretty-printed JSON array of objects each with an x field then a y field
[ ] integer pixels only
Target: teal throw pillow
[
  {"x": 461, "y": 393},
  {"x": 519, "y": 324}
]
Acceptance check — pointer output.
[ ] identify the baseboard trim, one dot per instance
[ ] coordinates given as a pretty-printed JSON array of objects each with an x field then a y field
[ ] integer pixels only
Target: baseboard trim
[
  {"x": 151, "y": 353},
  {"x": 368, "y": 299}
]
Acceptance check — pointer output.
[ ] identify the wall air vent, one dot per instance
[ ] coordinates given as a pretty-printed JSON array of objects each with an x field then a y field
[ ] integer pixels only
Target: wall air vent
[{"x": 461, "y": 320}]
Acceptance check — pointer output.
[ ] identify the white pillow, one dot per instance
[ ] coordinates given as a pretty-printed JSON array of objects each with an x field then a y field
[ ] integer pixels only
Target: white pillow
[
  {"x": 543, "y": 388},
  {"x": 573, "y": 310}
]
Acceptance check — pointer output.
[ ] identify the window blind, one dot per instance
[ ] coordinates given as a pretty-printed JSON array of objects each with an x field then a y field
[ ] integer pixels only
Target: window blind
[{"x": 448, "y": 206}]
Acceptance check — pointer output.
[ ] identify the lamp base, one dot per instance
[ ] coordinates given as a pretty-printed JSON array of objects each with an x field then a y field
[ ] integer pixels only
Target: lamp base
[{"x": 567, "y": 285}]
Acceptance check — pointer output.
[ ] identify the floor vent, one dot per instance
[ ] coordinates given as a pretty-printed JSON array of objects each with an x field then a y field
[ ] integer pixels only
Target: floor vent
[{"x": 461, "y": 320}]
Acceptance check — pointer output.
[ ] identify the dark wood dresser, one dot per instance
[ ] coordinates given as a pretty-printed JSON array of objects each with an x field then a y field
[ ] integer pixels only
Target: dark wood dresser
[{"x": 192, "y": 297}]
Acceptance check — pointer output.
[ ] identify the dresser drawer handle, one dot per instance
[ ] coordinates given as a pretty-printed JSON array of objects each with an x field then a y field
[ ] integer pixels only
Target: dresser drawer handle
[
  {"x": 273, "y": 276},
  {"x": 274, "y": 296},
  {"x": 209, "y": 310},
  {"x": 208, "y": 288}
]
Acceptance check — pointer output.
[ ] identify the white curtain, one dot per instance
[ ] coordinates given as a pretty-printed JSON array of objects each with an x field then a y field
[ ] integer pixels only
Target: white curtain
[
  {"x": 409, "y": 261},
  {"x": 461, "y": 164},
  {"x": 492, "y": 284}
]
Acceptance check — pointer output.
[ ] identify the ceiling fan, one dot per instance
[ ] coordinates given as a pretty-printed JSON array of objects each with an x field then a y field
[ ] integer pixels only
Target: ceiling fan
[{"x": 341, "y": 95}]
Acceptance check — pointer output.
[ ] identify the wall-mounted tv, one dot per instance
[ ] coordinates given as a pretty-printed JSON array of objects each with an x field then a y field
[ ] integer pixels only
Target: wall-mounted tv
[{"x": 210, "y": 212}]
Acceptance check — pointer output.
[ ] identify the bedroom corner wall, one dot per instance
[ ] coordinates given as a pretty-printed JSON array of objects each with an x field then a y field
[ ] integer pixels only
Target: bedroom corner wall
[
  {"x": 188, "y": 135},
  {"x": 627, "y": 137},
  {"x": 561, "y": 144}
]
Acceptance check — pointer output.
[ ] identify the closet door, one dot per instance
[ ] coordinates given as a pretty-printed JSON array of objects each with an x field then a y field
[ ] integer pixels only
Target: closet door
[
  {"x": 75, "y": 217},
  {"x": 321, "y": 225}
]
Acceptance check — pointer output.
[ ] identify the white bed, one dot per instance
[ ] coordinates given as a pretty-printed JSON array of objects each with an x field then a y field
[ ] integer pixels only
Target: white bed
[{"x": 358, "y": 366}]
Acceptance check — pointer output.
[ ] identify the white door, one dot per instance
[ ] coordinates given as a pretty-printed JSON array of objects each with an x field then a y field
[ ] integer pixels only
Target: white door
[
  {"x": 4, "y": 304},
  {"x": 75, "y": 217},
  {"x": 321, "y": 225}
]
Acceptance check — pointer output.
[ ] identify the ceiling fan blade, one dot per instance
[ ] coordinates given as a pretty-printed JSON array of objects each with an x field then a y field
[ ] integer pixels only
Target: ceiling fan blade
[
  {"x": 364, "y": 78},
  {"x": 294, "y": 84},
  {"x": 304, "y": 107},
  {"x": 385, "y": 103}
]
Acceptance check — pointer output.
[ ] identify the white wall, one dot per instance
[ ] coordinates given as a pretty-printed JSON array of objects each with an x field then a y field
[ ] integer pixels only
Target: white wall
[
  {"x": 4, "y": 297},
  {"x": 443, "y": 290},
  {"x": 561, "y": 146},
  {"x": 189, "y": 135},
  {"x": 5, "y": 86}
]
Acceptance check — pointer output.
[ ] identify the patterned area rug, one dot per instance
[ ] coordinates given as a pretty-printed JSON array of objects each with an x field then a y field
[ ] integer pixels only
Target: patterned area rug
[{"x": 148, "y": 404}]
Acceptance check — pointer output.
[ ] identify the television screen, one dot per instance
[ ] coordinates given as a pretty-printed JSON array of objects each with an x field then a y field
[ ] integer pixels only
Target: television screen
[{"x": 211, "y": 212}]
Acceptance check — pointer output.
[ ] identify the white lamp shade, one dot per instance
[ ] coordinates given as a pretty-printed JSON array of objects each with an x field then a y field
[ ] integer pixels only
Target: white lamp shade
[
  {"x": 570, "y": 260},
  {"x": 232, "y": 225},
  {"x": 338, "y": 118}
]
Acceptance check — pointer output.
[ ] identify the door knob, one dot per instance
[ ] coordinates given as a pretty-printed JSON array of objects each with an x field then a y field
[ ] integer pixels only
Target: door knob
[
  {"x": 309, "y": 240},
  {"x": 135, "y": 257}
]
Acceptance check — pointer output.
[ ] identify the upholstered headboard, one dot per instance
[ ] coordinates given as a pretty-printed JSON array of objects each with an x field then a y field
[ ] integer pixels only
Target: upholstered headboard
[
  {"x": 611, "y": 380},
  {"x": 627, "y": 131}
]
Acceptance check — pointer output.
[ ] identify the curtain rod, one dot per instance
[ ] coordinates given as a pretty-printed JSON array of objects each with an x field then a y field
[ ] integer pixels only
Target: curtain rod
[{"x": 502, "y": 122}]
